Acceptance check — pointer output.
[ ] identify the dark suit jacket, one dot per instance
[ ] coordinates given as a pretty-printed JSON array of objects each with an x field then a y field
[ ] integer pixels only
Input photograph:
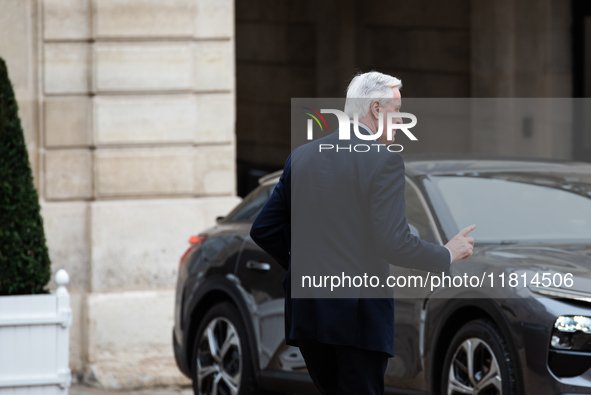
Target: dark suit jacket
[{"x": 354, "y": 210}]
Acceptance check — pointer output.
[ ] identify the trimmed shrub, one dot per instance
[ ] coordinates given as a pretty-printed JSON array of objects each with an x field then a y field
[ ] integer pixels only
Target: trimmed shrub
[{"x": 24, "y": 260}]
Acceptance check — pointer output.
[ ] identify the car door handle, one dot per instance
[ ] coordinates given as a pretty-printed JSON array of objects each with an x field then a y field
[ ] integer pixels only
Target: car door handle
[{"x": 256, "y": 265}]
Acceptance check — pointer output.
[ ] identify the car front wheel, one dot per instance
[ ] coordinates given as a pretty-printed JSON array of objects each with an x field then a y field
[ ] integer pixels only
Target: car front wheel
[
  {"x": 221, "y": 363},
  {"x": 478, "y": 361}
]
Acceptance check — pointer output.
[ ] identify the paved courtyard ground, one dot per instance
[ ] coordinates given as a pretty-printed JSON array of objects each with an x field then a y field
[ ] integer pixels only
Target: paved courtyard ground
[
  {"x": 78, "y": 389},
  {"x": 84, "y": 390}
]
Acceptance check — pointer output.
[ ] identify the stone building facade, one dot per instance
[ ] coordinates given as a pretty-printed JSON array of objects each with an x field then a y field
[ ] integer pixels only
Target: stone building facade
[
  {"x": 128, "y": 107},
  {"x": 136, "y": 113}
]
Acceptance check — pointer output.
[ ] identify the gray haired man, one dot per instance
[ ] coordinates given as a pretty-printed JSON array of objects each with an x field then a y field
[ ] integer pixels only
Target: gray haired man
[{"x": 350, "y": 218}]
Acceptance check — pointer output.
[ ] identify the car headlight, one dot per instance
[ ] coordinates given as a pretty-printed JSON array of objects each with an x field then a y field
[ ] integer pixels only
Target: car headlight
[
  {"x": 573, "y": 323},
  {"x": 570, "y": 346},
  {"x": 572, "y": 333}
]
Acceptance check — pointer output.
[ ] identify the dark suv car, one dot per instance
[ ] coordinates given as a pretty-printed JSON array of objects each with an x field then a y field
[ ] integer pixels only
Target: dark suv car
[{"x": 535, "y": 337}]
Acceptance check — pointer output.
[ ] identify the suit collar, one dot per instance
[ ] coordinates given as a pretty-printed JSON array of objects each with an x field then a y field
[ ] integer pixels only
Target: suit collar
[{"x": 363, "y": 129}]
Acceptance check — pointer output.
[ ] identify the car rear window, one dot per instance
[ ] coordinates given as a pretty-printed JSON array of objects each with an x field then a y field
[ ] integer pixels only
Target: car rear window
[{"x": 248, "y": 209}]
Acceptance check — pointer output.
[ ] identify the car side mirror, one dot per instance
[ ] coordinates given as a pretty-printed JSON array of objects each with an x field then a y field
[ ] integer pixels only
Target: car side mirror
[{"x": 219, "y": 219}]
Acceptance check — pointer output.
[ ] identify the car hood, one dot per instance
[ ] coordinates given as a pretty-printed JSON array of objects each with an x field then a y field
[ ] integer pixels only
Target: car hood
[{"x": 538, "y": 258}]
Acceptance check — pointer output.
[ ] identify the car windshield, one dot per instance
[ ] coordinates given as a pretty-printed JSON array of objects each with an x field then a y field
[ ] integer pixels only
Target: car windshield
[{"x": 519, "y": 207}]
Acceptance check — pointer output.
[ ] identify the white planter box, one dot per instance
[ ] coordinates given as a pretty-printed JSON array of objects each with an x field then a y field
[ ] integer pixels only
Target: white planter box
[{"x": 34, "y": 342}]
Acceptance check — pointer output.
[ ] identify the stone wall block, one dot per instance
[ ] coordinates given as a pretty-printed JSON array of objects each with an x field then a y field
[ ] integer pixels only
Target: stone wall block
[
  {"x": 142, "y": 67},
  {"x": 66, "y": 68},
  {"x": 66, "y": 19},
  {"x": 67, "y": 234},
  {"x": 18, "y": 43},
  {"x": 214, "y": 19},
  {"x": 143, "y": 18},
  {"x": 67, "y": 121},
  {"x": 129, "y": 340},
  {"x": 144, "y": 248},
  {"x": 145, "y": 119},
  {"x": 214, "y": 65},
  {"x": 144, "y": 172},
  {"x": 216, "y": 119},
  {"x": 68, "y": 174},
  {"x": 215, "y": 172}
]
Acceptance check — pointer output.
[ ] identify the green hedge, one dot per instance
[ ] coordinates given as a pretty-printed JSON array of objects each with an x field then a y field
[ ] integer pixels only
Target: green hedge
[{"x": 24, "y": 261}]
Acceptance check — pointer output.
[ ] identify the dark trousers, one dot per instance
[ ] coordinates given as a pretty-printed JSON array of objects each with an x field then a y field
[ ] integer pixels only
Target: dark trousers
[{"x": 344, "y": 370}]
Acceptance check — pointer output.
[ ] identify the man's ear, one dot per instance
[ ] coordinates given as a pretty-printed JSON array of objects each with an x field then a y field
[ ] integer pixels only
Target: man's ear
[{"x": 375, "y": 109}]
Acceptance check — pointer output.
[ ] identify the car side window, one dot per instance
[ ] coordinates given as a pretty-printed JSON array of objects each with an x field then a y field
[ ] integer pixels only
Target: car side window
[
  {"x": 251, "y": 205},
  {"x": 417, "y": 217}
]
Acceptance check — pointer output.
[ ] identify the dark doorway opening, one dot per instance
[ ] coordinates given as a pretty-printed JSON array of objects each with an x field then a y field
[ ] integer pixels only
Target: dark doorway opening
[{"x": 582, "y": 79}]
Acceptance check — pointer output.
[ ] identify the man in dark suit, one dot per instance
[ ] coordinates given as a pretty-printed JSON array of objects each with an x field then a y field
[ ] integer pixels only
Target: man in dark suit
[{"x": 349, "y": 217}]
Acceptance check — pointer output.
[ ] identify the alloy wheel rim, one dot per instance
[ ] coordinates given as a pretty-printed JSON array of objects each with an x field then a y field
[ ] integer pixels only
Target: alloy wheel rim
[
  {"x": 219, "y": 359},
  {"x": 474, "y": 370}
]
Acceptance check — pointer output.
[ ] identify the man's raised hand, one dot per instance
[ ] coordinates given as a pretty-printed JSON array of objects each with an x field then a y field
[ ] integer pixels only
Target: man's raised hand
[{"x": 461, "y": 245}]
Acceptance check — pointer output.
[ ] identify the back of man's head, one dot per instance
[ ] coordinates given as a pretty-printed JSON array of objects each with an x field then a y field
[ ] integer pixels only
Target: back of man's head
[{"x": 367, "y": 87}]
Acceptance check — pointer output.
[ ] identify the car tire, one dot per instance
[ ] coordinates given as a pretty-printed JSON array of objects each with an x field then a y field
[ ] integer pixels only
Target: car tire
[
  {"x": 492, "y": 370},
  {"x": 221, "y": 355}
]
